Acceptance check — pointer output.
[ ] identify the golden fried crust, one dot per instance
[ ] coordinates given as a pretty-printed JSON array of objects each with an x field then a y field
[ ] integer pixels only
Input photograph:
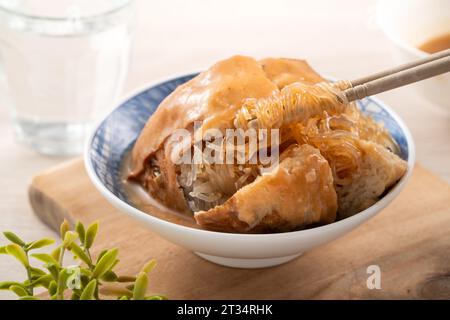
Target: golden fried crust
[
  {"x": 222, "y": 218},
  {"x": 283, "y": 71},
  {"x": 380, "y": 169},
  {"x": 297, "y": 193}
]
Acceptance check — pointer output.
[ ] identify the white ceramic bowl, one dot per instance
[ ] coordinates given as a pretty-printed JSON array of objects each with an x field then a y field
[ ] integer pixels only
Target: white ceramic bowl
[
  {"x": 410, "y": 23},
  {"x": 115, "y": 135}
]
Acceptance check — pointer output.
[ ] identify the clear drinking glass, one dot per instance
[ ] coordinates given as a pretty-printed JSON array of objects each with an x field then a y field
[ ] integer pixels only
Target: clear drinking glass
[{"x": 62, "y": 64}]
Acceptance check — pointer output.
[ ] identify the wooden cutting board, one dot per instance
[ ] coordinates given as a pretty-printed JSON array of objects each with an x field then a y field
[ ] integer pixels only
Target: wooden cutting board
[{"x": 409, "y": 241}]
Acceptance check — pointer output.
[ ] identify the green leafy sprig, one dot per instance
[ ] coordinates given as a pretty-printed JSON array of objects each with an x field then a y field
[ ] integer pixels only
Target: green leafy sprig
[{"x": 92, "y": 279}]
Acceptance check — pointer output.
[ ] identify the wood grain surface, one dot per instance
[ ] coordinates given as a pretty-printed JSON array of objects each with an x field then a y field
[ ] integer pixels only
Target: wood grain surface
[{"x": 409, "y": 241}]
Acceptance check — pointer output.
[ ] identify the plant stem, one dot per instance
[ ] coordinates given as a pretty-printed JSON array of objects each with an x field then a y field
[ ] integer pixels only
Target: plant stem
[
  {"x": 61, "y": 256},
  {"x": 86, "y": 250},
  {"x": 30, "y": 286},
  {"x": 60, "y": 261}
]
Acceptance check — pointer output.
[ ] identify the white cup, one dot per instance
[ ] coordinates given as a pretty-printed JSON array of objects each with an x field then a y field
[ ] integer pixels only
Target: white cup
[{"x": 410, "y": 23}]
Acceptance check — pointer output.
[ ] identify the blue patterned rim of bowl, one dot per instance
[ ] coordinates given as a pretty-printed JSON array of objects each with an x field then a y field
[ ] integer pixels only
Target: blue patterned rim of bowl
[{"x": 116, "y": 134}]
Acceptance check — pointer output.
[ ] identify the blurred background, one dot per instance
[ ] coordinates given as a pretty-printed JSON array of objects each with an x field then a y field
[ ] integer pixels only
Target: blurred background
[{"x": 338, "y": 38}]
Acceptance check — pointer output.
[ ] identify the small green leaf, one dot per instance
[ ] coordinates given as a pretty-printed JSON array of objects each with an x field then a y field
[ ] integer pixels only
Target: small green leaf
[
  {"x": 84, "y": 280},
  {"x": 89, "y": 291},
  {"x": 46, "y": 258},
  {"x": 53, "y": 269},
  {"x": 78, "y": 252},
  {"x": 43, "y": 281},
  {"x": 36, "y": 272},
  {"x": 53, "y": 288},
  {"x": 101, "y": 254},
  {"x": 105, "y": 263},
  {"x": 114, "y": 264},
  {"x": 109, "y": 276},
  {"x": 39, "y": 244},
  {"x": 86, "y": 272},
  {"x": 69, "y": 237},
  {"x": 79, "y": 228},
  {"x": 124, "y": 298},
  {"x": 149, "y": 266},
  {"x": 14, "y": 238},
  {"x": 90, "y": 235},
  {"x": 19, "y": 290},
  {"x": 3, "y": 250},
  {"x": 4, "y": 285},
  {"x": 17, "y": 251},
  {"x": 28, "y": 298},
  {"x": 56, "y": 254},
  {"x": 140, "y": 287},
  {"x": 63, "y": 229},
  {"x": 62, "y": 282}
]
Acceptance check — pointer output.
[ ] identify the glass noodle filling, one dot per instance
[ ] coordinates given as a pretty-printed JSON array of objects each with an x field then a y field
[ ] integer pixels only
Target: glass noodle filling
[{"x": 318, "y": 115}]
